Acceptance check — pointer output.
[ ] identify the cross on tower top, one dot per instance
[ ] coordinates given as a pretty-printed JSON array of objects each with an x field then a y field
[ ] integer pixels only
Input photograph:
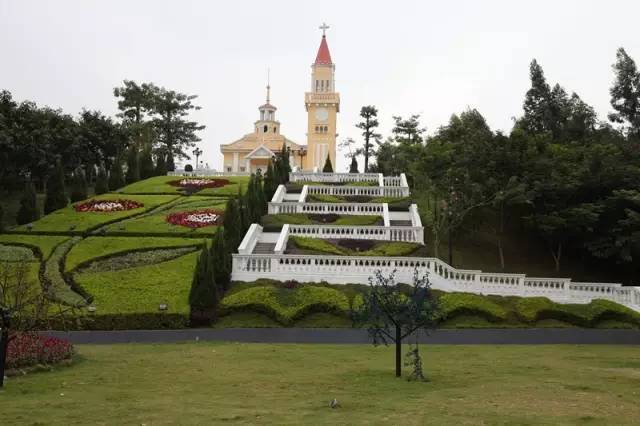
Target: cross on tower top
[{"x": 323, "y": 27}]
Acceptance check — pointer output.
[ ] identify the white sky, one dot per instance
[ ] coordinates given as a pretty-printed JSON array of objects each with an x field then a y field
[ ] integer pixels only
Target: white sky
[{"x": 434, "y": 58}]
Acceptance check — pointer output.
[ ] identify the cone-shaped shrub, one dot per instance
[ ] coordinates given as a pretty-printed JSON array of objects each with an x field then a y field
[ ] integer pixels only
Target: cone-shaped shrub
[
  {"x": 116, "y": 180},
  {"x": 161, "y": 165},
  {"x": 203, "y": 296},
  {"x": 221, "y": 261},
  {"x": 353, "y": 168},
  {"x": 328, "y": 167},
  {"x": 56, "y": 193},
  {"x": 28, "y": 211},
  {"x": 147, "y": 168},
  {"x": 232, "y": 226},
  {"x": 102, "y": 185},
  {"x": 79, "y": 189},
  {"x": 133, "y": 165}
]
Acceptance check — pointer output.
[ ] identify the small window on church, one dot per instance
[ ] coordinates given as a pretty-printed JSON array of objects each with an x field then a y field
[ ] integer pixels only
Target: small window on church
[
  {"x": 229, "y": 169},
  {"x": 326, "y": 129},
  {"x": 265, "y": 128},
  {"x": 317, "y": 85},
  {"x": 242, "y": 168},
  {"x": 322, "y": 85},
  {"x": 274, "y": 129}
]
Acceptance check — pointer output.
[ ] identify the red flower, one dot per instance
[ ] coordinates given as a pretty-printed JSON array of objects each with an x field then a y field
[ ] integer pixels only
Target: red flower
[
  {"x": 107, "y": 206},
  {"x": 28, "y": 349},
  {"x": 195, "y": 218}
]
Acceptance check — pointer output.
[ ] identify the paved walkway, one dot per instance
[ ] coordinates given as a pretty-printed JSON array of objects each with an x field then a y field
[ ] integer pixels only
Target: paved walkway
[{"x": 330, "y": 335}]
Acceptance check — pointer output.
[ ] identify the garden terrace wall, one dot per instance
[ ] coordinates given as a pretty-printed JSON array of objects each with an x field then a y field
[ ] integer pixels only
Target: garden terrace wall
[
  {"x": 383, "y": 233},
  {"x": 361, "y": 209},
  {"x": 333, "y": 177},
  {"x": 358, "y": 269},
  {"x": 369, "y": 191}
]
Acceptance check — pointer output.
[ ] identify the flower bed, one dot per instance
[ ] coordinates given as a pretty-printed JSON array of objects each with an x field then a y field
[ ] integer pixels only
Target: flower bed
[
  {"x": 195, "y": 218},
  {"x": 199, "y": 183},
  {"x": 30, "y": 349},
  {"x": 107, "y": 206}
]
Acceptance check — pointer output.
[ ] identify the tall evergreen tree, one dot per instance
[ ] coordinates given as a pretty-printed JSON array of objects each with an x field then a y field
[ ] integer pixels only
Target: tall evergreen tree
[
  {"x": 328, "y": 167},
  {"x": 79, "y": 190},
  {"x": 536, "y": 102},
  {"x": 625, "y": 93},
  {"x": 221, "y": 260},
  {"x": 407, "y": 132},
  {"x": 368, "y": 126},
  {"x": 56, "y": 197},
  {"x": 28, "y": 211},
  {"x": 203, "y": 296},
  {"x": 232, "y": 226},
  {"x": 171, "y": 165},
  {"x": 270, "y": 184},
  {"x": 133, "y": 165},
  {"x": 147, "y": 168},
  {"x": 116, "y": 180},
  {"x": 353, "y": 168},
  {"x": 243, "y": 214},
  {"x": 161, "y": 165},
  {"x": 102, "y": 183}
]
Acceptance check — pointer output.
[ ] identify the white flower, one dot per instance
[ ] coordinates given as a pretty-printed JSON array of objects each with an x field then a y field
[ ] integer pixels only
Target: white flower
[{"x": 202, "y": 217}]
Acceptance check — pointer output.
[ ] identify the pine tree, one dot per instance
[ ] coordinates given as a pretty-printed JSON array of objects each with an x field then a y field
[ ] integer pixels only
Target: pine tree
[
  {"x": 56, "y": 197},
  {"x": 537, "y": 102},
  {"x": 261, "y": 199},
  {"x": 79, "y": 190},
  {"x": 171, "y": 165},
  {"x": 28, "y": 211},
  {"x": 269, "y": 183},
  {"x": 353, "y": 168},
  {"x": 133, "y": 165},
  {"x": 116, "y": 181},
  {"x": 147, "y": 168},
  {"x": 102, "y": 184},
  {"x": 232, "y": 226},
  {"x": 368, "y": 126},
  {"x": 221, "y": 260},
  {"x": 328, "y": 168},
  {"x": 161, "y": 165},
  {"x": 203, "y": 296},
  {"x": 243, "y": 214},
  {"x": 625, "y": 92}
]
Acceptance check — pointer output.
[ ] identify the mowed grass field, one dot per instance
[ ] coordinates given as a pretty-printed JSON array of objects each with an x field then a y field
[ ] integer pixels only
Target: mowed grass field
[{"x": 212, "y": 383}]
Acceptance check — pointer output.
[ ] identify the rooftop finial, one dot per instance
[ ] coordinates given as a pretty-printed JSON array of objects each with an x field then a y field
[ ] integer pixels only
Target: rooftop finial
[
  {"x": 323, "y": 27},
  {"x": 268, "y": 85}
]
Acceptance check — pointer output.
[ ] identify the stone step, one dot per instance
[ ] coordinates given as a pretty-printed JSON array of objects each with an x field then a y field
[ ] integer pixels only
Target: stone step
[
  {"x": 400, "y": 223},
  {"x": 264, "y": 248}
]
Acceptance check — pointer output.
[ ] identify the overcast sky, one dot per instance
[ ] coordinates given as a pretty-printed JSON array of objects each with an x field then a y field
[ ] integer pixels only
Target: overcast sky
[{"x": 434, "y": 58}]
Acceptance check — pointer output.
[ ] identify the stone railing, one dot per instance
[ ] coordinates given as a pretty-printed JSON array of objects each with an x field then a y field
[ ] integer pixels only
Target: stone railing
[
  {"x": 382, "y": 233},
  {"x": 250, "y": 239},
  {"x": 303, "y": 194},
  {"x": 370, "y": 191},
  {"x": 278, "y": 196},
  {"x": 333, "y": 177},
  {"x": 415, "y": 216},
  {"x": 358, "y": 269},
  {"x": 361, "y": 209},
  {"x": 281, "y": 244},
  {"x": 206, "y": 172},
  {"x": 392, "y": 181}
]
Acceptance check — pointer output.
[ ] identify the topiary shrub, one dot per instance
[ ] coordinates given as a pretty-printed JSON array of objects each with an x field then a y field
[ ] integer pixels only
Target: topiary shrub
[
  {"x": 458, "y": 304},
  {"x": 188, "y": 168},
  {"x": 56, "y": 193},
  {"x": 31, "y": 349},
  {"x": 328, "y": 167},
  {"x": 28, "y": 211},
  {"x": 532, "y": 309}
]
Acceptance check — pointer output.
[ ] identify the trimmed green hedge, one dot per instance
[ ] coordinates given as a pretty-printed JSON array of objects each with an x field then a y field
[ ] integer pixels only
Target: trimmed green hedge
[
  {"x": 56, "y": 287},
  {"x": 585, "y": 315},
  {"x": 381, "y": 248},
  {"x": 465, "y": 304},
  {"x": 45, "y": 244},
  {"x": 286, "y": 305}
]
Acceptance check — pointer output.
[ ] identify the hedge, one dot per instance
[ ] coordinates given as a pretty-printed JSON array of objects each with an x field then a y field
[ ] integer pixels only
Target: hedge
[
  {"x": 45, "y": 244},
  {"x": 458, "y": 304},
  {"x": 286, "y": 305},
  {"x": 55, "y": 284},
  {"x": 584, "y": 315}
]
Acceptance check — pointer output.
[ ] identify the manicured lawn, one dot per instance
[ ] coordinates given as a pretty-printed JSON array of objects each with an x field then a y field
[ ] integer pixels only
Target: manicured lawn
[
  {"x": 45, "y": 243},
  {"x": 64, "y": 219},
  {"x": 93, "y": 247},
  {"x": 160, "y": 185},
  {"x": 142, "y": 289},
  {"x": 304, "y": 245},
  {"x": 279, "y": 220},
  {"x": 212, "y": 383},
  {"x": 156, "y": 222}
]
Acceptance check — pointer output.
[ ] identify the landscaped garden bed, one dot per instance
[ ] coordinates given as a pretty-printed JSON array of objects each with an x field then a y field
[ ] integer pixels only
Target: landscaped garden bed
[
  {"x": 352, "y": 247},
  {"x": 107, "y": 206},
  {"x": 31, "y": 350},
  {"x": 196, "y": 218},
  {"x": 395, "y": 203},
  {"x": 203, "y": 186},
  {"x": 275, "y": 222}
]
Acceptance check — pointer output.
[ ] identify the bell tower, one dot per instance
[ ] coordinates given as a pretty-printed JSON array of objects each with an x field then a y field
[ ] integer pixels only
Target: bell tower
[{"x": 322, "y": 103}]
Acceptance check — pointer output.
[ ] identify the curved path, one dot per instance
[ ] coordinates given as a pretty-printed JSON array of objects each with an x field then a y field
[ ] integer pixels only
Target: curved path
[{"x": 535, "y": 336}]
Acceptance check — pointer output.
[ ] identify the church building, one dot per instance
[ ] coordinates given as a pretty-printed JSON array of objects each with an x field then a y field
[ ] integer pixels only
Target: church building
[{"x": 254, "y": 150}]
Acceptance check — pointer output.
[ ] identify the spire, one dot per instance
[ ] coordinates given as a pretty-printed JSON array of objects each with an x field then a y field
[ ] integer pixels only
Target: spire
[
  {"x": 323, "y": 57},
  {"x": 268, "y": 86}
]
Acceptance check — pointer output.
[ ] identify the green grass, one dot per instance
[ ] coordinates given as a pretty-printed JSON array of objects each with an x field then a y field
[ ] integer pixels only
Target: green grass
[
  {"x": 45, "y": 243},
  {"x": 95, "y": 247},
  {"x": 62, "y": 220},
  {"x": 213, "y": 383},
  {"x": 143, "y": 289},
  {"x": 380, "y": 248},
  {"x": 160, "y": 185},
  {"x": 274, "y": 221}
]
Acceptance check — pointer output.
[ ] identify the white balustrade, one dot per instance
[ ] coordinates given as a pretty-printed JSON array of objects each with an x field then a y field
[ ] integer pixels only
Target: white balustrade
[
  {"x": 333, "y": 177},
  {"x": 359, "y": 209},
  {"x": 206, "y": 173},
  {"x": 250, "y": 239},
  {"x": 278, "y": 196},
  {"x": 372, "y": 232},
  {"x": 358, "y": 270},
  {"x": 281, "y": 244},
  {"x": 303, "y": 194},
  {"x": 370, "y": 191}
]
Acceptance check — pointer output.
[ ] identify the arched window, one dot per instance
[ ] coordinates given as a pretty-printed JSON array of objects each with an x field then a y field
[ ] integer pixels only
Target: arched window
[
  {"x": 274, "y": 129},
  {"x": 265, "y": 128}
]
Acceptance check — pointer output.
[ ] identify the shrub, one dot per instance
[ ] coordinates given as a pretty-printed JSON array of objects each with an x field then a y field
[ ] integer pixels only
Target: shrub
[
  {"x": 188, "y": 168},
  {"x": 28, "y": 211},
  {"x": 350, "y": 247},
  {"x": 353, "y": 168},
  {"x": 203, "y": 297},
  {"x": 133, "y": 165},
  {"x": 56, "y": 194},
  {"x": 79, "y": 189},
  {"x": 55, "y": 283},
  {"x": 457, "y": 304},
  {"x": 30, "y": 349},
  {"x": 161, "y": 165},
  {"x": 102, "y": 184},
  {"x": 285, "y": 305},
  {"x": 116, "y": 180},
  {"x": 328, "y": 167},
  {"x": 146, "y": 164},
  {"x": 531, "y": 309}
]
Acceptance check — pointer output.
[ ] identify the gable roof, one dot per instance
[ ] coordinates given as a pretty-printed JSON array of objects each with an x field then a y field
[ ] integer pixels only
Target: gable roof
[{"x": 260, "y": 152}]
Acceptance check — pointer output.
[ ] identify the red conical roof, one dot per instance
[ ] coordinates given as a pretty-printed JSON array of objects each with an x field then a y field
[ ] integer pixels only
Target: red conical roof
[{"x": 323, "y": 57}]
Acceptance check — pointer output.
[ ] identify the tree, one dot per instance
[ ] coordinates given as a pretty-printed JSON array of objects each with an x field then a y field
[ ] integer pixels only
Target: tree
[
  {"x": 625, "y": 93},
  {"x": 392, "y": 312},
  {"x": 79, "y": 190},
  {"x": 270, "y": 185},
  {"x": 368, "y": 126},
  {"x": 133, "y": 165},
  {"x": 171, "y": 165},
  {"x": 203, "y": 296},
  {"x": 536, "y": 104},
  {"x": 221, "y": 259},
  {"x": 328, "y": 168},
  {"x": 232, "y": 226},
  {"x": 161, "y": 165},
  {"x": 102, "y": 183},
  {"x": 147, "y": 168},
  {"x": 28, "y": 211},
  {"x": 407, "y": 132},
  {"x": 175, "y": 132},
  {"x": 353, "y": 168},
  {"x": 56, "y": 197},
  {"x": 116, "y": 180}
]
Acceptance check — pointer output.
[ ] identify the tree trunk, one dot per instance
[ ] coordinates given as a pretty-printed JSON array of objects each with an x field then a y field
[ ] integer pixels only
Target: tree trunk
[
  {"x": 398, "y": 352},
  {"x": 500, "y": 234},
  {"x": 4, "y": 345},
  {"x": 556, "y": 256}
]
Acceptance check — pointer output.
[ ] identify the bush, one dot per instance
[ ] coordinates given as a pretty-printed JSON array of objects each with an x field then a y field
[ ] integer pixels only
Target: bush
[
  {"x": 533, "y": 309},
  {"x": 350, "y": 247},
  {"x": 328, "y": 167},
  {"x": 30, "y": 349},
  {"x": 161, "y": 165},
  {"x": 102, "y": 184},
  {"x": 459, "y": 304},
  {"x": 56, "y": 193},
  {"x": 28, "y": 211},
  {"x": 188, "y": 168},
  {"x": 116, "y": 180},
  {"x": 79, "y": 189},
  {"x": 287, "y": 306},
  {"x": 147, "y": 169}
]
